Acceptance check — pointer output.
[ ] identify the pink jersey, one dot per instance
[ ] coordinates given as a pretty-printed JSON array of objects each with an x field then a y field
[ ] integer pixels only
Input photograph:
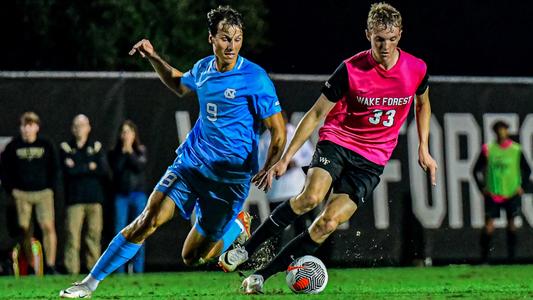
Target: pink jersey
[{"x": 368, "y": 116}]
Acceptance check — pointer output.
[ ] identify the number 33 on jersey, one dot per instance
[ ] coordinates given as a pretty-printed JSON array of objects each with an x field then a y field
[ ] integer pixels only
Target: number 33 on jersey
[{"x": 371, "y": 103}]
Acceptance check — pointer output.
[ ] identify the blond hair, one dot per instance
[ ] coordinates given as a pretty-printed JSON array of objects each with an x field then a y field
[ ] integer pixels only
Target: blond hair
[{"x": 382, "y": 16}]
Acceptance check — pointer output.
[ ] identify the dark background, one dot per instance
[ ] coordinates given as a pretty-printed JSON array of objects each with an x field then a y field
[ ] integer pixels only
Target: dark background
[
  {"x": 107, "y": 101},
  {"x": 454, "y": 37},
  {"x": 485, "y": 38}
]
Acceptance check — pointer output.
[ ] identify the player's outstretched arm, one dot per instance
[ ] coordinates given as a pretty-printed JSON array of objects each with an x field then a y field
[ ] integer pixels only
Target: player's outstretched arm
[
  {"x": 305, "y": 128},
  {"x": 307, "y": 125},
  {"x": 169, "y": 75},
  {"x": 423, "y": 117},
  {"x": 276, "y": 125}
]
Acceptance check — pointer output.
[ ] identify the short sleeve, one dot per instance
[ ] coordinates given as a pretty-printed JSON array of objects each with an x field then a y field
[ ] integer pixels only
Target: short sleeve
[
  {"x": 266, "y": 101},
  {"x": 337, "y": 84},
  {"x": 423, "y": 86},
  {"x": 189, "y": 78}
]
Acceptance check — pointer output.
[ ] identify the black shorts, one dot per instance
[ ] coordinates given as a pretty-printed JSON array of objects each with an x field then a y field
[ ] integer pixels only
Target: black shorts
[
  {"x": 352, "y": 174},
  {"x": 511, "y": 206}
]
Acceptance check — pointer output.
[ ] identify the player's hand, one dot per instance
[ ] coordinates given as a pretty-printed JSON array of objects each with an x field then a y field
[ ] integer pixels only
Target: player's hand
[
  {"x": 520, "y": 191},
  {"x": 428, "y": 164},
  {"x": 144, "y": 47},
  {"x": 263, "y": 180},
  {"x": 92, "y": 166}
]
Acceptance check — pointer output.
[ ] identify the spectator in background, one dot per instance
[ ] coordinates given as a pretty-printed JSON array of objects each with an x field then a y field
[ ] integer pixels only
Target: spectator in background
[
  {"x": 128, "y": 161},
  {"x": 84, "y": 170},
  {"x": 500, "y": 173},
  {"x": 293, "y": 181},
  {"x": 30, "y": 168}
]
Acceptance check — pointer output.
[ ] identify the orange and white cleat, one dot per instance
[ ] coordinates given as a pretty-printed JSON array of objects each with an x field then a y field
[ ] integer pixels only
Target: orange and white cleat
[{"x": 246, "y": 221}]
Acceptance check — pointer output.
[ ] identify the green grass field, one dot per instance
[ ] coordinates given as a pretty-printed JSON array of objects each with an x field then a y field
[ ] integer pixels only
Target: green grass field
[{"x": 464, "y": 282}]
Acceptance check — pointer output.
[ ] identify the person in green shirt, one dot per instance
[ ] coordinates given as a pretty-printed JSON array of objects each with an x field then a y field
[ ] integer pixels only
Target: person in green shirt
[{"x": 501, "y": 172}]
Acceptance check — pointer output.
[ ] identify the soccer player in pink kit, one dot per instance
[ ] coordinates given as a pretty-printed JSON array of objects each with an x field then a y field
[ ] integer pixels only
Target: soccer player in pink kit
[{"x": 364, "y": 103}]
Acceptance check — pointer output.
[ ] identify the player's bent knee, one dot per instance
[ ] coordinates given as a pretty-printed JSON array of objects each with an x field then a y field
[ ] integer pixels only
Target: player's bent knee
[
  {"x": 306, "y": 202},
  {"x": 325, "y": 226},
  {"x": 330, "y": 226}
]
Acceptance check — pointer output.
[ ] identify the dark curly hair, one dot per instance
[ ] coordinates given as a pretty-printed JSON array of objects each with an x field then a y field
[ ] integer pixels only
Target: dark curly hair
[{"x": 225, "y": 14}]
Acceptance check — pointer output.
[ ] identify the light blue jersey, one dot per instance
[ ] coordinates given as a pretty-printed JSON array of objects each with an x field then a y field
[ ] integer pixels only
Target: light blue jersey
[
  {"x": 211, "y": 173},
  {"x": 224, "y": 140}
]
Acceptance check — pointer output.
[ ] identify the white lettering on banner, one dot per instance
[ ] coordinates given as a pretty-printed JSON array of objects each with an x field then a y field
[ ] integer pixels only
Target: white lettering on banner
[
  {"x": 183, "y": 124},
  {"x": 460, "y": 170},
  {"x": 526, "y": 140},
  {"x": 429, "y": 215},
  {"x": 447, "y": 196},
  {"x": 391, "y": 173}
]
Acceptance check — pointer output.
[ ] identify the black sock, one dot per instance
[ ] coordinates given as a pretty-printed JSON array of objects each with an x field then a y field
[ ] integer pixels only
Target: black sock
[
  {"x": 511, "y": 243},
  {"x": 485, "y": 245},
  {"x": 278, "y": 220},
  {"x": 299, "y": 246}
]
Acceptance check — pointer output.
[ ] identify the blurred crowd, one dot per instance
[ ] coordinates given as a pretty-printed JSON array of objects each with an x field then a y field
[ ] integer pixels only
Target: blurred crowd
[{"x": 32, "y": 170}]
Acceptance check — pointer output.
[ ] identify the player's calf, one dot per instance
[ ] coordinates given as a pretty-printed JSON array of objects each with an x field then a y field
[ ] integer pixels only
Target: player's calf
[{"x": 158, "y": 211}]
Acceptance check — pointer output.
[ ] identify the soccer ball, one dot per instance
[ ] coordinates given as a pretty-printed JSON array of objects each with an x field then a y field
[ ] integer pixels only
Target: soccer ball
[{"x": 307, "y": 275}]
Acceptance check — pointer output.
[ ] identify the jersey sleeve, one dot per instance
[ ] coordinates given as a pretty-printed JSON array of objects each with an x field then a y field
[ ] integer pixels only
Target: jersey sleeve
[
  {"x": 337, "y": 84},
  {"x": 422, "y": 87},
  {"x": 189, "y": 78},
  {"x": 266, "y": 101}
]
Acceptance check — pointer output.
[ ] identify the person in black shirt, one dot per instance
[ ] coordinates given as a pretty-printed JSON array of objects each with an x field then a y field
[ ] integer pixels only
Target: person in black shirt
[
  {"x": 84, "y": 170},
  {"x": 29, "y": 174},
  {"x": 128, "y": 161}
]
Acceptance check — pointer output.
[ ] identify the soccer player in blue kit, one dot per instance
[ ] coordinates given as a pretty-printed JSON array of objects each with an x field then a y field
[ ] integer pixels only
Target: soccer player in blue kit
[{"x": 215, "y": 164}]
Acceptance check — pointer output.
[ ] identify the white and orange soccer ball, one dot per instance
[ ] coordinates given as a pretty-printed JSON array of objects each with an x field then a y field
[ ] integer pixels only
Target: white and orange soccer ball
[{"x": 307, "y": 275}]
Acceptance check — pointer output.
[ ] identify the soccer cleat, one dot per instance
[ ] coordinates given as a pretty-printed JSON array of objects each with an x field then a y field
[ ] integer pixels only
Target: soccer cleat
[
  {"x": 76, "y": 291},
  {"x": 253, "y": 284},
  {"x": 230, "y": 260},
  {"x": 246, "y": 220}
]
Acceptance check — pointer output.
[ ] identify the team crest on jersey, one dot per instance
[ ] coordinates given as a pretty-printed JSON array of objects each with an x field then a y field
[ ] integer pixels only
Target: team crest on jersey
[{"x": 230, "y": 93}]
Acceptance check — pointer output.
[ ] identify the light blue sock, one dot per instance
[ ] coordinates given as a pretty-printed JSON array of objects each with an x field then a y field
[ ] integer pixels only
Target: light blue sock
[
  {"x": 233, "y": 232},
  {"x": 117, "y": 253}
]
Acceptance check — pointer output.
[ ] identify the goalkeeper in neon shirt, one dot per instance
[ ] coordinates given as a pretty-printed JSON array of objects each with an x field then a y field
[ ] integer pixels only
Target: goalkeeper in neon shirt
[{"x": 501, "y": 172}]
